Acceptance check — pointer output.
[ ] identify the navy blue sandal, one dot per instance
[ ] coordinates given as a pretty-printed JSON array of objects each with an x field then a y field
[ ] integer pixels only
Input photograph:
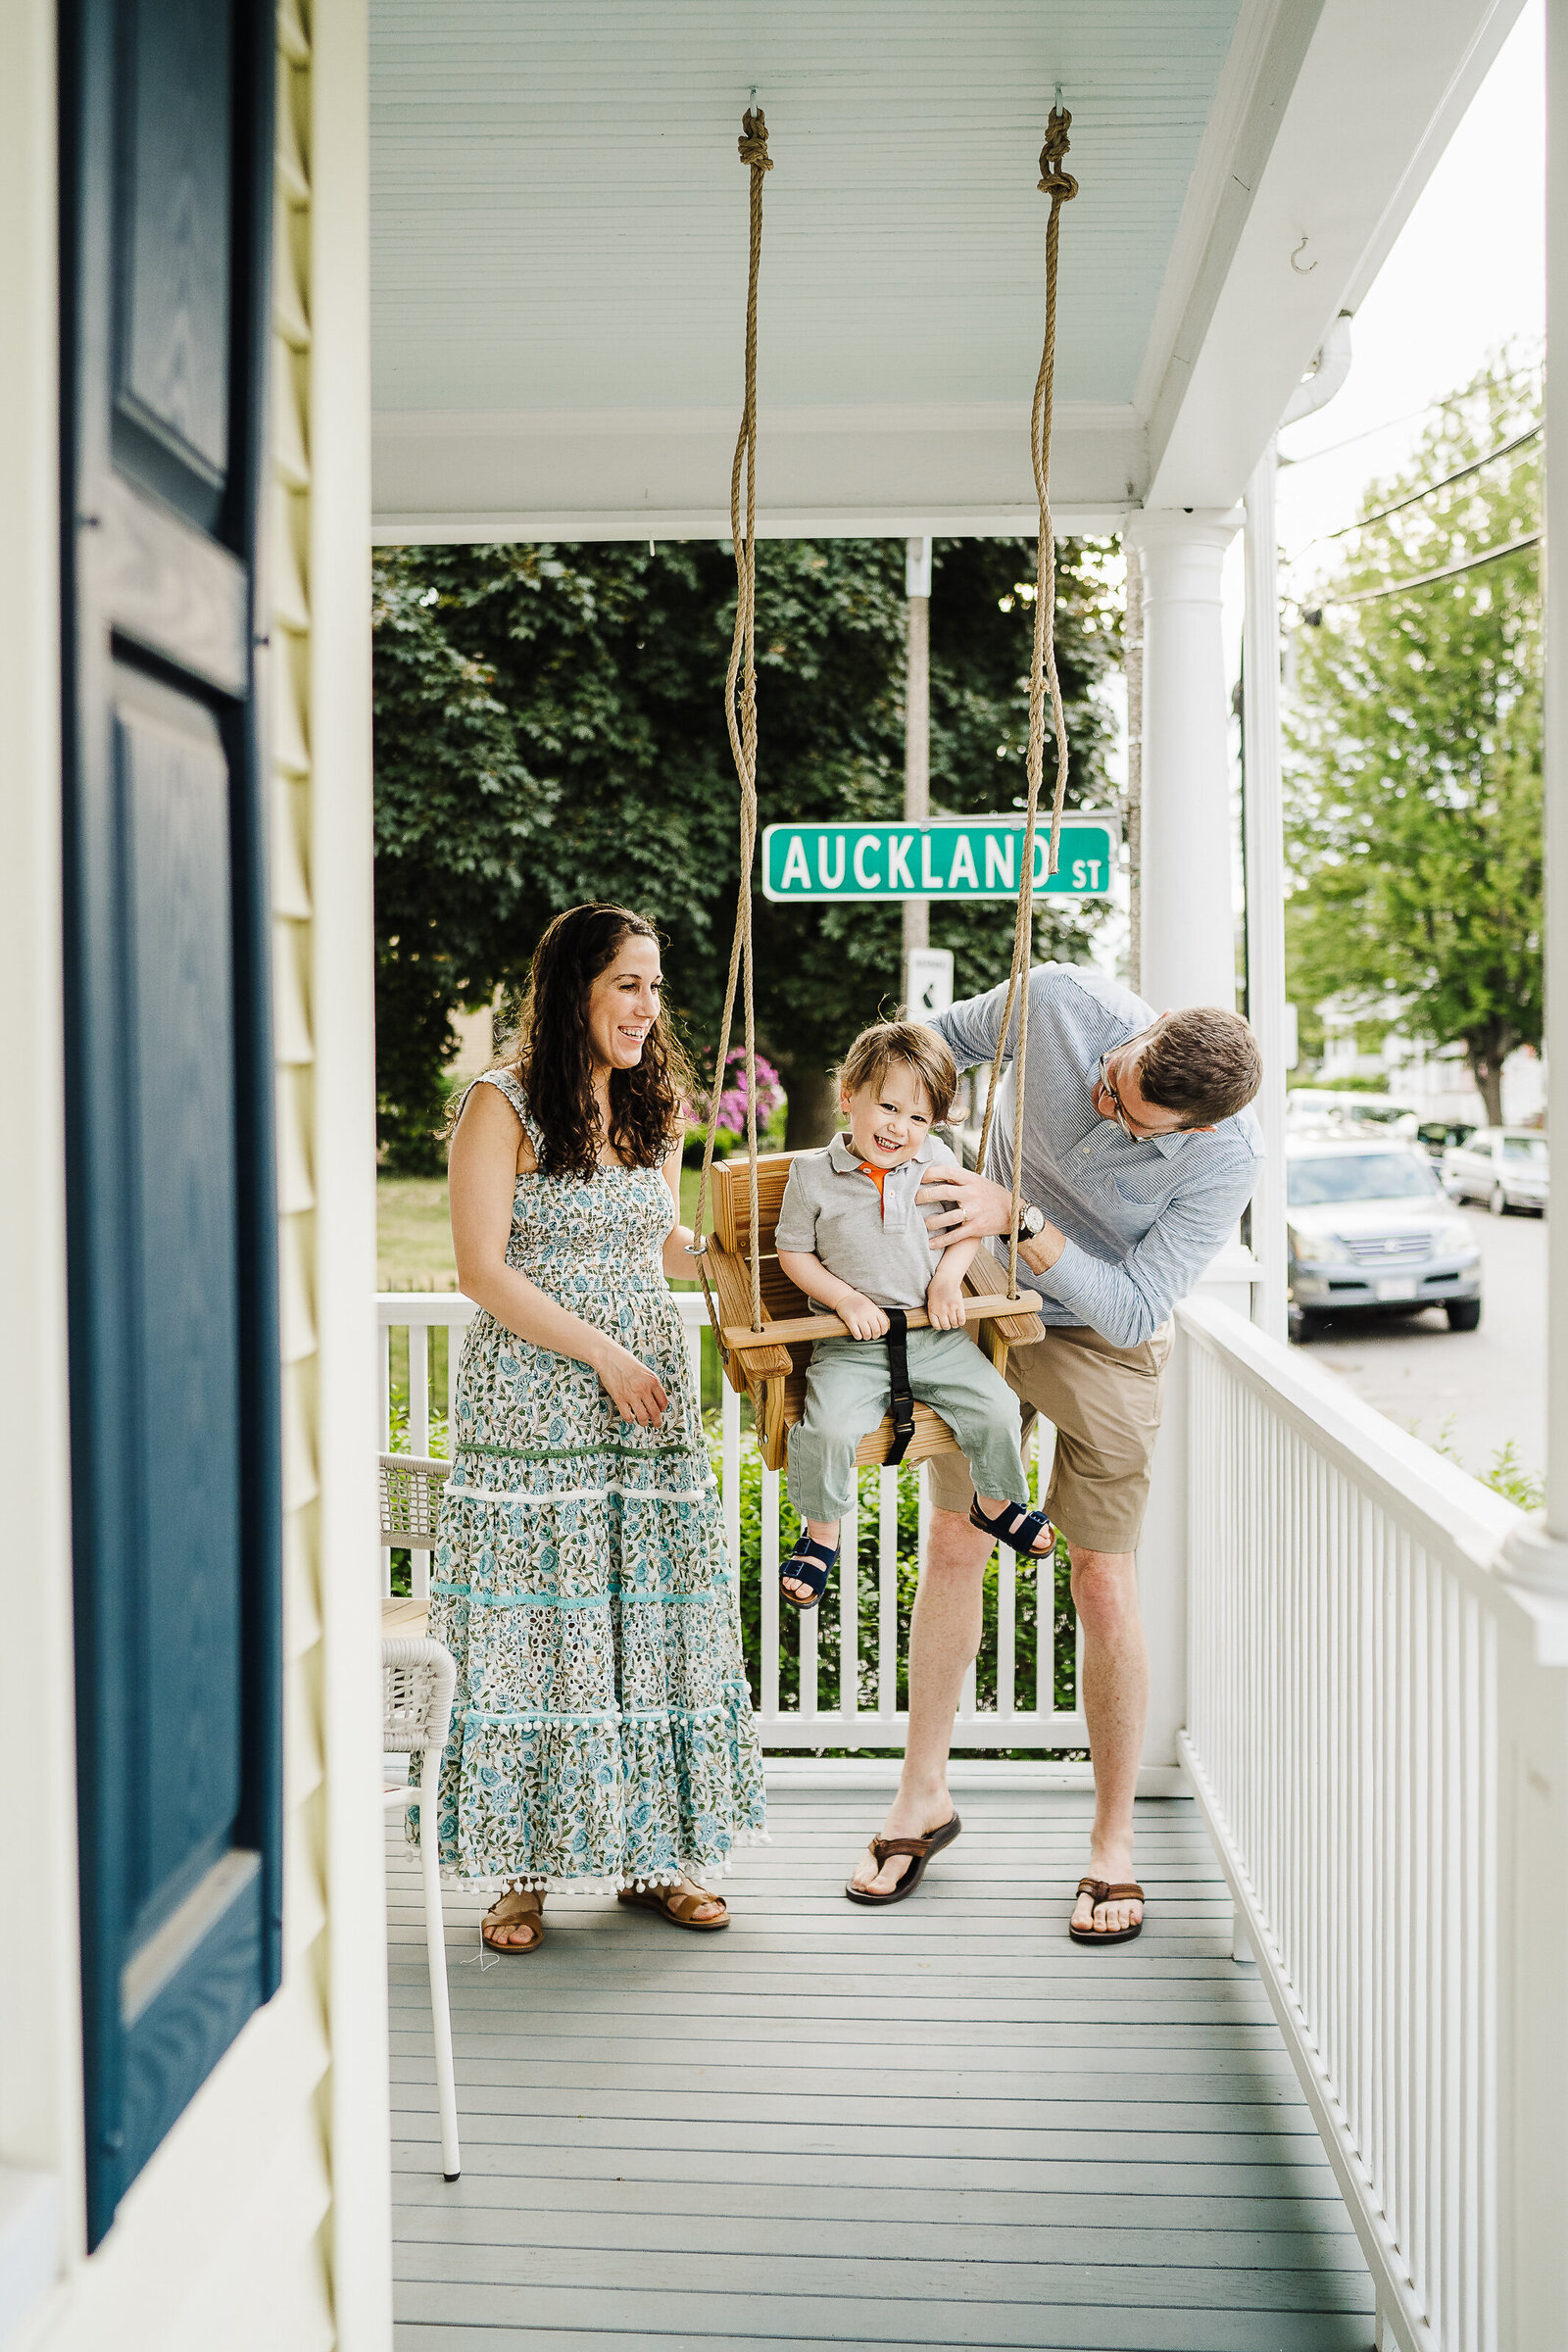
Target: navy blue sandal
[
  {"x": 1021, "y": 1535},
  {"x": 809, "y": 1563}
]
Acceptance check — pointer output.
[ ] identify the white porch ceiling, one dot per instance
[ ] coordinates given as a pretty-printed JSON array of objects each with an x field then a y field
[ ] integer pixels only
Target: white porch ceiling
[{"x": 558, "y": 248}]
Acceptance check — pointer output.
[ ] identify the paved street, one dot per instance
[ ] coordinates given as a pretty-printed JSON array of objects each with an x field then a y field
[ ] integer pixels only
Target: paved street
[{"x": 1483, "y": 1388}]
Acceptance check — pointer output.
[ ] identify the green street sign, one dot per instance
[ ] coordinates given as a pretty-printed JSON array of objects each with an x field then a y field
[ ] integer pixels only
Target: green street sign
[{"x": 952, "y": 858}]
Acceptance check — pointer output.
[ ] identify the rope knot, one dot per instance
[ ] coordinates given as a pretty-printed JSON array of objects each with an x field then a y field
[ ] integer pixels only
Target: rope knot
[
  {"x": 1055, "y": 180},
  {"x": 752, "y": 141}
]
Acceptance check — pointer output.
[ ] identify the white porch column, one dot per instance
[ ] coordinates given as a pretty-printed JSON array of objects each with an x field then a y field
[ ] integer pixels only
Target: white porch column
[
  {"x": 1186, "y": 900},
  {"x": 1539, "y": 1558},
  {"x": 1188, "y": 915},
  {"x": 1264, "y": 829},
  {"x": 1533, "y": 1925}
]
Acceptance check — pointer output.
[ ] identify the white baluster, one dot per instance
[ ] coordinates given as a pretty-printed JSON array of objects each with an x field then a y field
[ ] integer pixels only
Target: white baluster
[
  {"x": 420, "y": 1388},
  {"x": 887, "y": 1589},
  {"x": 772, "y": 1485},
  {"x": 966, "y": 1701},
  {"x": 1007, "y": 1583},
  {"x": 808, "y": 1623},
  {"x": 729, "y": 1475},
  {"x": 849, "y": 1606}
]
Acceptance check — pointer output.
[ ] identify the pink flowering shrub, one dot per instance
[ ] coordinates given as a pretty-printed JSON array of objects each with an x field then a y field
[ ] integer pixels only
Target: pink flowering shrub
[
  {"x": 730, "y": 1111},
  {"x": 729, "y": 1124}
]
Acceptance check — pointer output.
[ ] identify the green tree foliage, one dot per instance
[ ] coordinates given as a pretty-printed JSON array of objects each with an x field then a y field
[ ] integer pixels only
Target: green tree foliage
[
  {"x": 549, "y": 727},
  {"x": 1414, "y": 823}
]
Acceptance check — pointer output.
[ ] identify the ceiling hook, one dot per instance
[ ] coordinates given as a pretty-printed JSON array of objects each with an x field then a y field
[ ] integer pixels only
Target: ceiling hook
[{"x": 1296, "y": 261}]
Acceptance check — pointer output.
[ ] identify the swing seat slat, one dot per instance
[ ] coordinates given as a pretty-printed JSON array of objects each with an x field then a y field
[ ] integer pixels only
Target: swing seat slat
[{"x": 828, "y": 1327}]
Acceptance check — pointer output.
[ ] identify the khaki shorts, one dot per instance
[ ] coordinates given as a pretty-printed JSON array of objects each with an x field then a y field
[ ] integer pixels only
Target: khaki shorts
[{"x": 1103, "y": 1402}]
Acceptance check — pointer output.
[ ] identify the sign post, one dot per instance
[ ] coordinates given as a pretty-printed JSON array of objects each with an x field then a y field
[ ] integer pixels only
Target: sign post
[
  {"x": 947, "y": 858},
  {"x": 917, "y": 735}
]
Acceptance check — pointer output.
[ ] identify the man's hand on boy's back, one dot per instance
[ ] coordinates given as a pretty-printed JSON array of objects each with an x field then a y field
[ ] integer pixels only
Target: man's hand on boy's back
[{"x": 959, "y": 1205}]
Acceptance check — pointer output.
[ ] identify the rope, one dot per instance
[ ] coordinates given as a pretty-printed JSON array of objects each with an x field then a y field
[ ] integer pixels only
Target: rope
[
  {"x": 1058, "y": 183},
  {"x": 741, "y": 718}
]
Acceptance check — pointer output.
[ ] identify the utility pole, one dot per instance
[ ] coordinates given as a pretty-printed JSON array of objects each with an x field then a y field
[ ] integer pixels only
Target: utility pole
[
  {"x": 917, "y": 729},
  {"x": 1133, "y": 644}
]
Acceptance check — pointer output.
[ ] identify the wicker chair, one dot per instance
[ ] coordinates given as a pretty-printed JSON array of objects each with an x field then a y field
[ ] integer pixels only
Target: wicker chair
[
  {"x": 409, "y": 1485},
  {"x": 419, "y": 1679}
]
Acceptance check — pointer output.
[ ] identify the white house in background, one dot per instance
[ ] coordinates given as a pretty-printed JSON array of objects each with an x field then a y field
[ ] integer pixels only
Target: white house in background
[
  {"x": 1436, "y": 1081},
  {"x": 274, "y": 285}
]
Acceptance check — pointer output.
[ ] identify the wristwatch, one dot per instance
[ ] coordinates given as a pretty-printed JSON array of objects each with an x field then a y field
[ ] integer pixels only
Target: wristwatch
[{"x": 1030, "y": 1222}]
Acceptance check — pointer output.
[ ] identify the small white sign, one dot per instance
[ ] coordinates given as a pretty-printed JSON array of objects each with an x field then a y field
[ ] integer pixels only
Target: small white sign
[{"x": 928, "y": 982}]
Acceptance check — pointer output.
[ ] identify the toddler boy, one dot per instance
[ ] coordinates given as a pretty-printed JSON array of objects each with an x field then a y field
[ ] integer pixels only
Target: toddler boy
[{"x": 850, "y": 1236}]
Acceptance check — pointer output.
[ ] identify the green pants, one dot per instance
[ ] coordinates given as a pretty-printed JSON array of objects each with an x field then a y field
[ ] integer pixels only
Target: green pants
[{"x": 848, "y": 1392}]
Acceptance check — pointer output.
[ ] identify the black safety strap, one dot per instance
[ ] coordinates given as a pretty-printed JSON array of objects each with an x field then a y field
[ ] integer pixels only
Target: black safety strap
[{"x": 902, "y": 1400}]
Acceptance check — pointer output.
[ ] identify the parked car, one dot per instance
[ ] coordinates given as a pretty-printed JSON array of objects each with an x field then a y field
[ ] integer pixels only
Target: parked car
[
  {"x": 1371, "y": 1230},
  {"x": 1438, "y": 1134},
  {"x": 1342, "y": 1111},
  {"x": 1507, "y": 1167}
]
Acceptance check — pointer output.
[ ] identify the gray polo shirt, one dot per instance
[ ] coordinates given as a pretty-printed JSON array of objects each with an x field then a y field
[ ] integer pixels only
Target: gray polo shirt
[{"x": 880, "y": 1245}]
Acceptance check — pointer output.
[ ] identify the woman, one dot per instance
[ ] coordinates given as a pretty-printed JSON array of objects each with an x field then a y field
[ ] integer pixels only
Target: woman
[{"x": 603, "y": 1732}]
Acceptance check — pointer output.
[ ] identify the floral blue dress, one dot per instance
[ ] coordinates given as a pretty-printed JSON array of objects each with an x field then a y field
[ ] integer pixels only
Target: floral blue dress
[{"x": 603, "y": 1733}]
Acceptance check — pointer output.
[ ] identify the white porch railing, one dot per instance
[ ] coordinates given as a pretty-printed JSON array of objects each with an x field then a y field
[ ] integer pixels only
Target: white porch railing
[
  {"x": 852, "y": 1702},
  {"x": 1359, "y": 1685}
]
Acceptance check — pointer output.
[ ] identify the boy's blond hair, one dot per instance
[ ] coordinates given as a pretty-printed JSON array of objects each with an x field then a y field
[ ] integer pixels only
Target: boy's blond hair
[{"x": 876, "y": 1050}]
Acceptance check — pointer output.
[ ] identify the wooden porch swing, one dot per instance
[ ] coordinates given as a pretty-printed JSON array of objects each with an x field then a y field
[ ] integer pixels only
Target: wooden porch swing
[{"x": 762, "y": 1322}]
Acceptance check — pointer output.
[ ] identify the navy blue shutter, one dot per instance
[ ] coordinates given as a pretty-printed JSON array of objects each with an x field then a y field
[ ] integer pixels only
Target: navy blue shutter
[{"x": 165, "y": 176}]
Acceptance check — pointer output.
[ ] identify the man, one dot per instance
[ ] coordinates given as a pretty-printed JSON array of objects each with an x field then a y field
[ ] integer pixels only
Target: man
[{"x": 1139, "y": 1156}]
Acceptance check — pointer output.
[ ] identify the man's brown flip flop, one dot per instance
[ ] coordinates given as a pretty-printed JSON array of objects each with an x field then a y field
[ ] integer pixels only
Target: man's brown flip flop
[
  {"x": 1100, "y": 1891},
  {"x": 922, "y": 1848}
]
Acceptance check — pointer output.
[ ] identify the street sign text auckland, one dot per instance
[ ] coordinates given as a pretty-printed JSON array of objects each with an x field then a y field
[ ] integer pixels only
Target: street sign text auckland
[{"x": 957, "y": 857}]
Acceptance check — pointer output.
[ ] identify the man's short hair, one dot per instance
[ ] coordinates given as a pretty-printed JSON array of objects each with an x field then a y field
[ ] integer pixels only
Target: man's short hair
[
  {"x": 1202, "y": 1062},
  {"x": 876, "y": 1050}
]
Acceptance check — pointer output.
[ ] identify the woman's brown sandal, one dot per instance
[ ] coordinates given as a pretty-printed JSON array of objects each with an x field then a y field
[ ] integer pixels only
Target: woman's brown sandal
[
  {"x": 1098, "y": 1891},
  {"x": 677, "y": 1904},
  {"x": 518, "y": 1909}
]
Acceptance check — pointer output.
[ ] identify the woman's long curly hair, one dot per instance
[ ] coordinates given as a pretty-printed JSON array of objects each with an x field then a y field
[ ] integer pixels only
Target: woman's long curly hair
[{"x": 552, "y": 1057}]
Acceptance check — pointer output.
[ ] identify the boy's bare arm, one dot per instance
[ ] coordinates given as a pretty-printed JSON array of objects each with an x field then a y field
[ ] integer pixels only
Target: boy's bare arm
[
  {"x": 859, "y": 1314},
  {"x": 944, "y": 1301}
]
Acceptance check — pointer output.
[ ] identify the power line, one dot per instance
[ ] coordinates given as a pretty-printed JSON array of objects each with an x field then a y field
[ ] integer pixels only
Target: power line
[
  {"x": 1432, "y": 407},
  {"x": 1313, "y": 614},
  {"x": 1504, "y": 449}
]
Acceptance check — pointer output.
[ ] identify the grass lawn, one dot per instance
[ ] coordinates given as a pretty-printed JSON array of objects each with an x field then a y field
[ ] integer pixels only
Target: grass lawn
[{"x": 414, "y": 1240}]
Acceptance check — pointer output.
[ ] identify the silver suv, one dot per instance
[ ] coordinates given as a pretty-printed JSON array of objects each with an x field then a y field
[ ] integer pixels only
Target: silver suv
[
  {"x": 1507, "y": 1167},
  {"x": 1372, "y": 1229}
]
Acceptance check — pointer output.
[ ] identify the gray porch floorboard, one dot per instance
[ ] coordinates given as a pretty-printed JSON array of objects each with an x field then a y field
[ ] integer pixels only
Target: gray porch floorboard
[{"x": 941, "y": 2124}]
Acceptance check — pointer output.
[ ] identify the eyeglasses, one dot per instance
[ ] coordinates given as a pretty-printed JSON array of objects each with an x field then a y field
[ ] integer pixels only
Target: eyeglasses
[
  {"x": 1108, "y": 1087},
  {"x": 1134, "y": 1134}
]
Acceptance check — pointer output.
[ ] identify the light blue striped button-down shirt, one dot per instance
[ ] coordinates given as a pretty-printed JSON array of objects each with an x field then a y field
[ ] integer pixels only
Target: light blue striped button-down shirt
[{"x": 1142, "y": 1219}]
